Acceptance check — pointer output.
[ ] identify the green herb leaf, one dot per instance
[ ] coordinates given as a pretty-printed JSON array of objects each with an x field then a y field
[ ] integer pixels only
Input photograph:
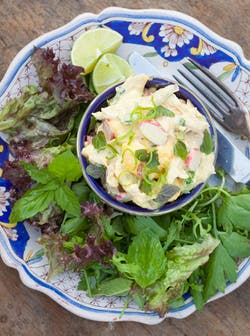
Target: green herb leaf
[
  {"x": 180, "y": 150},
  {"x": 65, "y": 167},
  {"x": 235, "y": 210},
  {"x": 196, "y": 288},
  {"x": 99, "y": 141},
  {"x": 69, "y": 245},
  {"x": 145, "y": 187},
  {"x": 153, "y": 161},
  {"x": 163, "y": 111},
  {"x": 67, "y": 200},
  {"x": 39, "y": 175},
  {"x": 74, "y": 226},
  {"x": 182, "y": 122},
  {"x": 220, "y": 268},
  {"x": 166, "y": 193},
  {"x": 190, "y": 178},
  {"x": 81, "y": 190},
  {"x": 236, "y": 245},
  {"x": 207, "y": 143},
  {"x": 145, "y": 261},
  {"x": 33, "y": 201},
  {"x": 96, "y": 171},
  {"x": 117, "y": 286},
  {"x": 94, "y": 274},
  {"x": 142, "y": 155},
  {"x": 136, "y": 224}
]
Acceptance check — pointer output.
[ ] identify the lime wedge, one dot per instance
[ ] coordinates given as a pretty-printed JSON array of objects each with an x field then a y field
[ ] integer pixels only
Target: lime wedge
[
  {"x": 92, "y": 44},
  {"x": 109, "y": 70}
]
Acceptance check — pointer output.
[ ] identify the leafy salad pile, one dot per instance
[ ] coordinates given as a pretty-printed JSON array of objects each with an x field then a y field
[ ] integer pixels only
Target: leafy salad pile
[{"x": 153, "y": 261}]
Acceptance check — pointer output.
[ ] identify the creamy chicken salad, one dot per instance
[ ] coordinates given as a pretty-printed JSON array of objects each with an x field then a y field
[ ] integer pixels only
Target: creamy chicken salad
[{"x": 152, "y": 145}]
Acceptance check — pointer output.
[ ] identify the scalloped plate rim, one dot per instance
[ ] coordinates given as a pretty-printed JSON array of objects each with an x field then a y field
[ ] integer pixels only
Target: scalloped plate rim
[{"x": 6, "y": 252}]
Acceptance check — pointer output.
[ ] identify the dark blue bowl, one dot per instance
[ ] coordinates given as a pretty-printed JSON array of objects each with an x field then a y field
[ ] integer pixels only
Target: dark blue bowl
[{"x": 101, "y": 101}]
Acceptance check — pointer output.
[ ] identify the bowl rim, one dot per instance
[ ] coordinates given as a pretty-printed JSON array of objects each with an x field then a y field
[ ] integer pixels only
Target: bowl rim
[{"x": 184, "y": 199}]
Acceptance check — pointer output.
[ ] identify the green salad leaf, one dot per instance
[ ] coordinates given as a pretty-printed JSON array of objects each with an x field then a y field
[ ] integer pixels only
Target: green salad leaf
[
  {"x": 181, "y": 262},
  {"x": 34, "y": 200},
  {"x": 237, "y": 246},
  {"x": 50, "y": 187},
  {"x": 220, "y": 268},
  {"x": 65, "y": 167},
  {"x": 235, "y": 210},
  {"x": 145, "y": 261}
]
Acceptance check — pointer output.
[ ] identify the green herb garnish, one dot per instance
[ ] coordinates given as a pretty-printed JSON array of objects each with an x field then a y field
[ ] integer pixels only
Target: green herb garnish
[
  {"x": 142, "y": 155},
  {"x": 99, "y": 141},
  {"x": 180, "y": 150},
  {"x": 207, "y": 143}
]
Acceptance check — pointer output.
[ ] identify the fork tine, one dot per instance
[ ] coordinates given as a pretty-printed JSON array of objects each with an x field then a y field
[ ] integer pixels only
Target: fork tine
[
  {"x": 206, "y": 94},
  {"x": 224, "y": 91},
  {"x": 210, "y": 107},
  {"x": 201, "y": 76}
]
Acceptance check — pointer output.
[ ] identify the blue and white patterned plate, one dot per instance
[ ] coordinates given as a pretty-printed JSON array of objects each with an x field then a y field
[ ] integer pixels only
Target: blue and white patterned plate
[{"x": 165, "y": 38}]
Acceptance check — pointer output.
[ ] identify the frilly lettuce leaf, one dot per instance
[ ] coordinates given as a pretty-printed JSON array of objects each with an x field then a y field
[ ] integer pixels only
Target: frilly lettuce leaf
[{"x": 181, "y": 262}]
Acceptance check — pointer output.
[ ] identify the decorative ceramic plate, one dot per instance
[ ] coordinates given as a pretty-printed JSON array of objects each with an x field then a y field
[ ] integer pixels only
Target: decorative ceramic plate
[{"x": 165, "y": 38}]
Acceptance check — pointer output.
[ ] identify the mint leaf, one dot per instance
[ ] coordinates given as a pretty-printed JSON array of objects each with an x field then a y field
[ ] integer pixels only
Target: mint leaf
[
  {"x": 39, "y": 175},
  {"x": 67, "y": 200},
  {"x": 166, "y": 193},
  {"x": 220, "y": 268},
  {"x": 99, "y": 141},
  {"x": 207, "y": 143},
  {"x": 96, "y": 171},
  {"x": 180, "y": 150},
  {"x": 236, "y": 245},
  {"x": 65, "y": 167},
  {"x": 235, "y": 210},
  {"x": 33, "y": 201},
  {"x": 153, "y": 161},
  {"x": 142, "y": 155},
  {"x": 163, "y": 111}
]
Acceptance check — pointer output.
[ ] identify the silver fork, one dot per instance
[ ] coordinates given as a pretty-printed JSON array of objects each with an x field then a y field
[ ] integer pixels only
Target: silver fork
[{"x": 221, "y": 102}]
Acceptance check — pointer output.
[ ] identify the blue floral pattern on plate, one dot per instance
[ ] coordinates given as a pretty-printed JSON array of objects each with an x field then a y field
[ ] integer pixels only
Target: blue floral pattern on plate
[{"x": 166, "y": 38}]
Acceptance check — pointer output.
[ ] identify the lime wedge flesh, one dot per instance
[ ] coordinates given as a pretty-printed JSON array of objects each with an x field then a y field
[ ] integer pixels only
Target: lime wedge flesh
[
  {"x": 109, "y": 70},
  {"x": 92, "y": 44}
]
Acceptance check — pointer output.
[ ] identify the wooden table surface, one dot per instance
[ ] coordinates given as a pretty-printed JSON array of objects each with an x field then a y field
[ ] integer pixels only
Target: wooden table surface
[{"x": 25, "y": 312}]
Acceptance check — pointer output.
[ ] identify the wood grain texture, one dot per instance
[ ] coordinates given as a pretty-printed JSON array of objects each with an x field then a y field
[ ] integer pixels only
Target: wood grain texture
[{"x": 24, "y": 312}]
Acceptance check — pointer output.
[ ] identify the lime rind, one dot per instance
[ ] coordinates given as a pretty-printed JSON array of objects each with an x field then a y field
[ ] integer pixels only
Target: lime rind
[
  {"x": 92, "y": 44},
  {"x": 109, "y": 70}
]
